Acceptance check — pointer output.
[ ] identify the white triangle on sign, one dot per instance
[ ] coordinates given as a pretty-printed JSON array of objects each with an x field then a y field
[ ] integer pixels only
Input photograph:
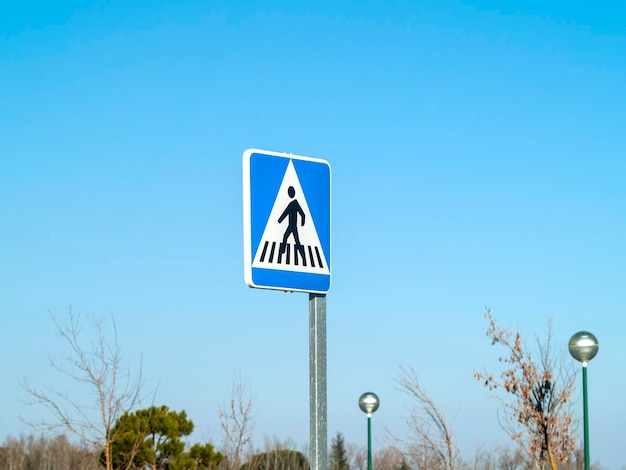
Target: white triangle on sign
[{"x": 279, "y": 248}]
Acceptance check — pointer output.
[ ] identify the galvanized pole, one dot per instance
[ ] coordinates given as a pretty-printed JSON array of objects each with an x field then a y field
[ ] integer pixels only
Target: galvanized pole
[{"x": 317, "y": 380}]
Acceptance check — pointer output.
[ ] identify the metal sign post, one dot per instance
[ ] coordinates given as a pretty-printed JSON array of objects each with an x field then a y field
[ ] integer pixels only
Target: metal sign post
[{"x": 317, "y": 377}]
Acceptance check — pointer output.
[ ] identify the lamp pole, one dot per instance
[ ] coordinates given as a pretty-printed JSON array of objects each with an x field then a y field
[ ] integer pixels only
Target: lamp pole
[
  {"x": 583, "y": 346},
  {"x": 369, "y": 402},
  {"x": 585, "y": 417}
]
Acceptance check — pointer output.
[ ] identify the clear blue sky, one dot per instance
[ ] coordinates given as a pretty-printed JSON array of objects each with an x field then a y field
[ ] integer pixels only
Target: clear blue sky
[{"x": 478, "y": 159}]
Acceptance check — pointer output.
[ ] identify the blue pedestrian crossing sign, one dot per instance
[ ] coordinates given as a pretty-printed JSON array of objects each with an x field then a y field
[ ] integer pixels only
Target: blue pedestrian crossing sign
[{"x": 286, "y": 206}]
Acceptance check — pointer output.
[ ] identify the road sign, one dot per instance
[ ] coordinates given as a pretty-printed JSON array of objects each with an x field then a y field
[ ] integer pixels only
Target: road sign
[{"x": 286, "y": 201}]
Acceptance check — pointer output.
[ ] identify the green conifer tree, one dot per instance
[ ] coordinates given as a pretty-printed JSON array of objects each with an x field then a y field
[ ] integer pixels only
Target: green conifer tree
[
  {"x": 151, "y": 437},
  {"x": 338, "y": 454}
]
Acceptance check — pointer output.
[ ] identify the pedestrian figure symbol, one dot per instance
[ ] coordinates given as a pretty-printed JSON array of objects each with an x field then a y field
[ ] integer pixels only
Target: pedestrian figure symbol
[{"x": 292, "y": 211}]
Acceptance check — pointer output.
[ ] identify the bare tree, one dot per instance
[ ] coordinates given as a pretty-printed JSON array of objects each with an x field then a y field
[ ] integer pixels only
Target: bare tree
[
  {"x": 237, "y": 424},
  {"x": 13, "y": 454},
  {"x": 389, "y": 458},
  {"x": 536, "y": 396},
  {"x": 483, "y": 459},
  {"x": 276, "y": 454},
  {"x": 29, "y": 453},
  {"x": 98, "y": 368},
  {"x": 511, "y": 459},
  {"x": 357, "y": 456},
  {"x": 432, "y": 444}
]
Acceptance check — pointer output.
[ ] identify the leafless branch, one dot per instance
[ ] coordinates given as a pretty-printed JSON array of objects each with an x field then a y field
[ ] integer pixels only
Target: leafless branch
[
  {"x": 432, "y": 444},
  {"x": 236, "y": 422},
  {"x": 96, "y": 367}
]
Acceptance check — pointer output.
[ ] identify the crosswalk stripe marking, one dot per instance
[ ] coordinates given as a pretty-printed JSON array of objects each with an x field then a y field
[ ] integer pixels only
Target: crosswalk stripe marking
[
  {"x": 264, "y": 251},
  {"x": 306, "y": 254},
  {"x": 319, "y": 258}
]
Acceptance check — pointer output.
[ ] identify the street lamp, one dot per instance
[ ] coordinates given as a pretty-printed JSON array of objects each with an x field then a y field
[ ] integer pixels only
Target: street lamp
[
  {"x": 369, "y": 402},
  {"x": 583, "y": 346}
]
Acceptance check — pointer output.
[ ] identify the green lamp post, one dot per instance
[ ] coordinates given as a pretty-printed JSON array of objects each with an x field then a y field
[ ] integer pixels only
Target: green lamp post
[
  {"x": 369, "y": 402},
  {"x": 583, "y": 346}
]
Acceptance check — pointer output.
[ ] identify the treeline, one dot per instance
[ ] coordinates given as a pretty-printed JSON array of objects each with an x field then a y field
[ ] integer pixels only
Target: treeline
[
  {"x": 41, "y": 453},
  {"x": 58, "y": 453}
]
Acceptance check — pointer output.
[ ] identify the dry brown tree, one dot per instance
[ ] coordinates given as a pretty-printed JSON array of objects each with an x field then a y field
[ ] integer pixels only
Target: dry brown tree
[
  {"x": 97, "y": 367},
  {"x": 432, "y": 444},
  {"x": 535, "y": 395}
]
